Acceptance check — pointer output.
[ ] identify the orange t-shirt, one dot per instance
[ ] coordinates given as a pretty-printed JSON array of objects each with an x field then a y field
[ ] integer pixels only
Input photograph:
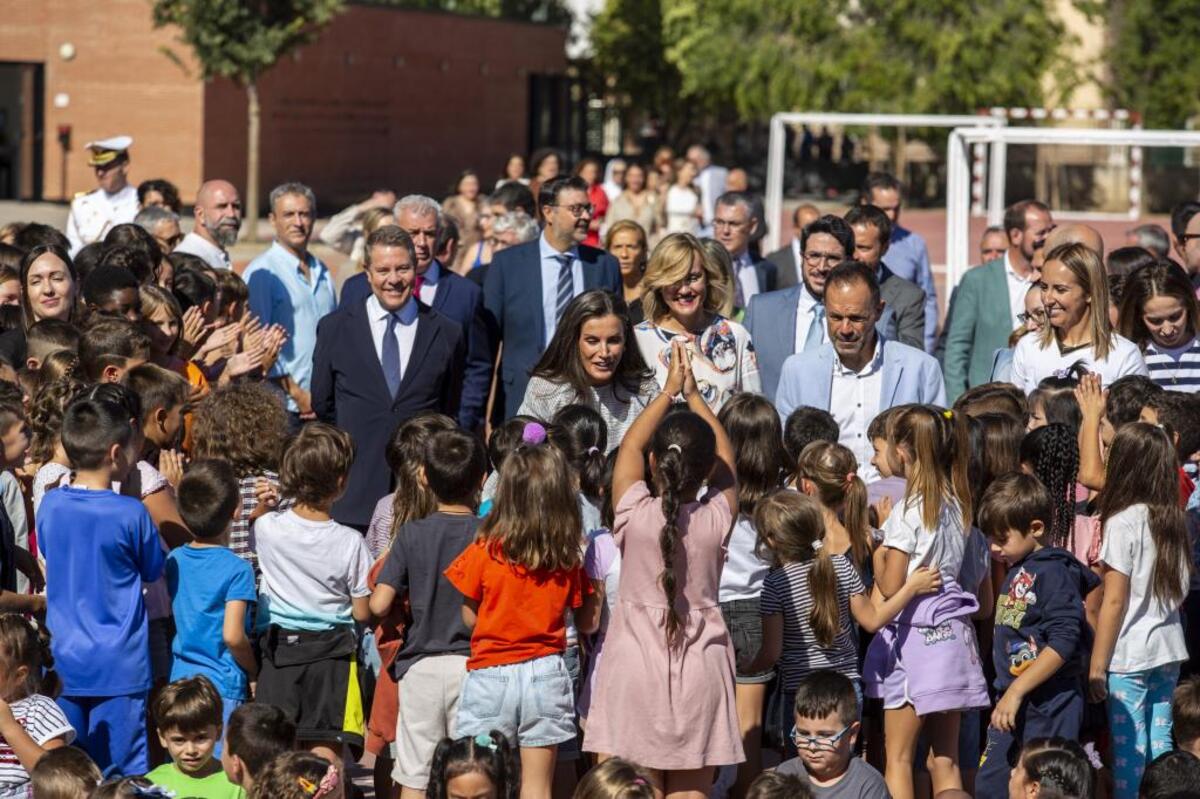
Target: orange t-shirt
[{"x": 520, "y": 612}]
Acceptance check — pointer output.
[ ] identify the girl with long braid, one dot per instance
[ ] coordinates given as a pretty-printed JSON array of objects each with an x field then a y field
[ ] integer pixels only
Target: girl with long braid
[
  {"x": 664, "y": 694},
  {"x": 1051, "y": 454}
]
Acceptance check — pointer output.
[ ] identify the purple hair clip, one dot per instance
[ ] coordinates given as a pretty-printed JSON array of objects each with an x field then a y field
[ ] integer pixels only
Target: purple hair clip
[{"x": 533, "y": 434}]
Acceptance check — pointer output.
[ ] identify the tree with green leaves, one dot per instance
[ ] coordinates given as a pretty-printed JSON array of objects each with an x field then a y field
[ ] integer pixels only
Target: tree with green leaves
[
  {"x": 1152, "y": 59},
  {"x": 240, "y": 40}
]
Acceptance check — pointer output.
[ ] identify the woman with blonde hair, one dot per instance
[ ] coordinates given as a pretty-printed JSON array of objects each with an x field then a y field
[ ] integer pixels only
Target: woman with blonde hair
[
  {"x": 684, "y": 291},
  {"x": 1074, "y": 289}
]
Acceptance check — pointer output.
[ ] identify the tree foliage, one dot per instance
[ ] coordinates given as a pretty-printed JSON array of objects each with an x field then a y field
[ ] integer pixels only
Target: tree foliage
[
  {"x": 630, "y": 52},
  {"x": 763, "y": 56},
  {"x": 1152, "y": 60},
  {"x": 240, "y": 39}
]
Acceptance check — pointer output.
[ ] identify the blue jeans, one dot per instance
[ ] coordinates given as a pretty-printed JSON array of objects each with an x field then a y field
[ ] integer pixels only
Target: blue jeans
[{"x": 1139, "y": 715}]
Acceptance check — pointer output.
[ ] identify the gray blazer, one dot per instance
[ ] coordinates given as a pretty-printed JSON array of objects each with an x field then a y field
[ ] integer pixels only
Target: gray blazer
[
  {"x": 786, "y": 269},
  {"x": 907, "y": 303}
]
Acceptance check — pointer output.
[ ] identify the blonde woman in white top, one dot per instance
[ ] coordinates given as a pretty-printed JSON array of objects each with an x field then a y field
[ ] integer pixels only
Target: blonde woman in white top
[
  {"x": 1074, "y": 290},
  {"x": 683, "y": 291}
]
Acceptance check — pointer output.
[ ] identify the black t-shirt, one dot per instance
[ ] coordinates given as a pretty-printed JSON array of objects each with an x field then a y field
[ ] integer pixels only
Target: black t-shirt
[{"x": 422, "y": 551}]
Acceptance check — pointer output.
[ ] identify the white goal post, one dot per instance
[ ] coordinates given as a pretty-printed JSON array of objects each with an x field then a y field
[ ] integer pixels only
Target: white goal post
[
  {"x": 959, "y": 171},
  {"x": 776, "y": 154}
]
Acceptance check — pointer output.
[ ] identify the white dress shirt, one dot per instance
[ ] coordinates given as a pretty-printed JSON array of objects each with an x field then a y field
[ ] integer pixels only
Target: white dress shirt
[
  {"x": 195, "y": 244},
  {"x": 747, "y": 276},
  {"x": 1017, "y": 288},
  {"x": 429, "y": 283},
  {"x": 854, "y": 402},
  {"x": 808, "y": 308},
  {"x": 550, "y": 268},
  {"x": 406, "y": 329}
]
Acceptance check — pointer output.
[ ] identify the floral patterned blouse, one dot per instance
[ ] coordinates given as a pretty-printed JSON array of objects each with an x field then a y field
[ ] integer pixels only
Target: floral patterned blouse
[{"x": 723, "y": 358}]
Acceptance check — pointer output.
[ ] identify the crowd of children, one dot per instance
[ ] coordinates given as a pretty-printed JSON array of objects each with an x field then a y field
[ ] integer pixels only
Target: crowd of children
[{"x": 716, "y": 604}]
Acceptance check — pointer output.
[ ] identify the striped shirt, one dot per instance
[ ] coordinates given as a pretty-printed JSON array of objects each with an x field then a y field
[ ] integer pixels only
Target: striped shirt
[
  {"x": 786, "y": 591},
  {"x": 42, "y": 719},
  {"x": 1177, "y": 369}
]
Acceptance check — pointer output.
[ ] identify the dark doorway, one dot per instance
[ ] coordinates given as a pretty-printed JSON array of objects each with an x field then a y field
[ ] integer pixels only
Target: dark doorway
[
  {"x": 557, "y": 115},
  {"x": 21, "y": 123}
]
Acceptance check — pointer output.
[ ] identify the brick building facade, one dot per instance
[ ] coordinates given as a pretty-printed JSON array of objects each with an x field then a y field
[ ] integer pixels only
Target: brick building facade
[{"x": 385, "y": 97}]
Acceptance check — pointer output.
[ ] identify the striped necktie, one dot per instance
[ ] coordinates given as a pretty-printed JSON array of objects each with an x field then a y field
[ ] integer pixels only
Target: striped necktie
[{"x": 566, "y": 284}]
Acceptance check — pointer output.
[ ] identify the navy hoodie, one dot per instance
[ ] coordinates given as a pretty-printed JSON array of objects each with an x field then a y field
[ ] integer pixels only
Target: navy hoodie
[{"x": 1040, "y": 605}]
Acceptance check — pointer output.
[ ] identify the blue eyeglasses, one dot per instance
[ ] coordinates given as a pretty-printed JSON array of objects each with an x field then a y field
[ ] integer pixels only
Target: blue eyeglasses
[{"x": 817, "y": 741}]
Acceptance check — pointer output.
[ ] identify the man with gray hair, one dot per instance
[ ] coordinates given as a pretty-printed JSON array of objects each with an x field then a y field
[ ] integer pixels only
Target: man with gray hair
[
  {"x": 734, "y": 226},
  {"x": 1150, "y": 237},
  {"x": 510, "y": 229},
  {"x": 218, "y": 213},
  {"x": 289, "y": 286},
  {"x": 162, "y": 223},
  {"x": 448, "y": 293}
]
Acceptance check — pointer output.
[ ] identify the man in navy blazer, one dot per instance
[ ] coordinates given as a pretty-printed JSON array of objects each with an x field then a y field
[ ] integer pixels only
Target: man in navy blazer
[
  {"x": 380, "y": 361},
  {"x": 859, "y": 373},
  {"x": 529, "y": 286},
  {"x": 448, "y": 293}
]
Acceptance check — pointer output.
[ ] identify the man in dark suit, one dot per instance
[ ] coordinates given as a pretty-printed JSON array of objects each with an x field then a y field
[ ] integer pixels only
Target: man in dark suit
[
  {"x": 529, "y": 286},
  {"x": 788, "y": 257},
  {"x": 872, "y": 234},
  {"x": 448, "y": 293},
  {"x": 734, "y": 225},
  {"x": 380, "y": 361}
]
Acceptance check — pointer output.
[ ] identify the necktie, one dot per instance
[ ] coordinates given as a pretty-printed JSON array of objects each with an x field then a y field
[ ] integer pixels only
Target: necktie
[
  {"x": 739, "y": 296},
  {"x": 813, "y": 339},
  {"x": 390, "y": 358},
  {"x": 418, "y": 281},
  {"x": 566, "y": 285}
]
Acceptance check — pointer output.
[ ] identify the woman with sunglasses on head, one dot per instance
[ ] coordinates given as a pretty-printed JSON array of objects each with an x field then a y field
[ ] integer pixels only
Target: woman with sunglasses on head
[{"x": 683, "y": 291}]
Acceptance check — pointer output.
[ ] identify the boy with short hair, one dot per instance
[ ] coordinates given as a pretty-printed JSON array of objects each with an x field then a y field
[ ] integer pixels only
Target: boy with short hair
[
  {"x": 46, "y": 337},
  {"x": 255, "y": 735},
  {"x": 100, "y": 547},
  {"x": 827, "y": 726},
  {"x": 110, "y": 347},
  {"x": 188, "y": 716},
  {"x": 1185, "y": 715},
  {"x": 64, "y": 773},
  {"x": 112, "y": 291},
  {"x": 1041, "y": 640},
  {"x": 211, "y": 588},
  {"x": 432, "y": 661},
  {"x": 806, "y": 425},
  {"x": 163, "y": 394}
]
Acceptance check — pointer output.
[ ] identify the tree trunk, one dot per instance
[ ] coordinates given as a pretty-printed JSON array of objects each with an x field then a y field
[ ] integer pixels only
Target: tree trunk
[{"x": 252, "y": 138}]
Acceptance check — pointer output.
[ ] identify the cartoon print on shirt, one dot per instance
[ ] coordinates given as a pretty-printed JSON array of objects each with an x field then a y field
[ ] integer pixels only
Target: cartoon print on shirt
[
  {"x": 1021, "y": 655},
  {"x": 1011, "y": 607}
]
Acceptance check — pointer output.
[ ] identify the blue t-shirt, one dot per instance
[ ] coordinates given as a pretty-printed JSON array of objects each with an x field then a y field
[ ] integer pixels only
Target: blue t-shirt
[
  {"x": 100, "y": 547},
  {"x": 201, "y": 580}
]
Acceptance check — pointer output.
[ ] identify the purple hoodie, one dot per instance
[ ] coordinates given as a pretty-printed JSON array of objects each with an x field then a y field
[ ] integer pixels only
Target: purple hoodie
[{"x": 929, "y": 656}]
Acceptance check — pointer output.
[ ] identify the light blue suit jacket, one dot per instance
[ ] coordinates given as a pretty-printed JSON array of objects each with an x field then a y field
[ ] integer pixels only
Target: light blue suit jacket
[
  {"x": 909, "y": 376},
  {"x": 771, "y": 322}
]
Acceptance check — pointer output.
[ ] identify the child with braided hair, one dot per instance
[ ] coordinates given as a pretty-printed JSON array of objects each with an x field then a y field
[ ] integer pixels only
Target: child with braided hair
[
  {"x": 1051, "y": 454},
  {"x": 664, "y": 695}
]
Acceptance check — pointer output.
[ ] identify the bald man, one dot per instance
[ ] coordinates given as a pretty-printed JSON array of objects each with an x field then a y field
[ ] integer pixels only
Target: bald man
[
  {"x": 218, "y": 215},
  {"x": 1076, "y": 233},
  {"x": 787, "y": 258}
]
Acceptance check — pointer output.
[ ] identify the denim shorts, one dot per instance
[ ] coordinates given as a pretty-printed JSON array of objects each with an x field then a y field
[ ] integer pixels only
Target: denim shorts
[
  {"x": 530, "y": 702},
  {"x": 744, "y": 622}
]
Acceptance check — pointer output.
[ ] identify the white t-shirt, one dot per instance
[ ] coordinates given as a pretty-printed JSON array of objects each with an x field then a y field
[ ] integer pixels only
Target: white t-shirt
[
  {"x": 1031, "y": 364},
  {"x": 1151, "y": 634},
  {"x": 744, "y": 572},
  {"x": 310, "y": 572},
  {"x": 943, "y": 545},
  {"x": 44, "y": 721}
]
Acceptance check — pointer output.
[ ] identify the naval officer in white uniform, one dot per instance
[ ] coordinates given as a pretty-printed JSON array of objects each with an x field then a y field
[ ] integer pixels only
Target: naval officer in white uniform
[{"x": 115, "y": 201}]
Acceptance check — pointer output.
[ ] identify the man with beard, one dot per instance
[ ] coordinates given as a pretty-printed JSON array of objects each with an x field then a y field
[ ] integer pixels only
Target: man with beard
[
  {"x": 791, "y": 320},
  {"x": 218, "y": 219},
  {"x": 290, "y": 286},
  {"x": 529, "y": 286},
  {"x": 857, "y": 374},
  {"x": 114, "y": 201}
]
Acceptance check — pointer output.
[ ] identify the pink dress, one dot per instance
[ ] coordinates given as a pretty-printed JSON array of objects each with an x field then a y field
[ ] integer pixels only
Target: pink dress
[{"x": 667, "y": 709}]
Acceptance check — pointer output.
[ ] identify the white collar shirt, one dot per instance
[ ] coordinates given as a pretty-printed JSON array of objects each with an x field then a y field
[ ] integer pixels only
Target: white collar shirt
[
  {"x": 195, "y": 244},
  {"x": 808, "y": 310},
  {"x": 1017, "y": 288},
  {"x": 405, "y": 331},
  {"x": 551, "y": 265},
  {"x": 429, "y": 283},
  {"x": 854, "y": 402}
]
